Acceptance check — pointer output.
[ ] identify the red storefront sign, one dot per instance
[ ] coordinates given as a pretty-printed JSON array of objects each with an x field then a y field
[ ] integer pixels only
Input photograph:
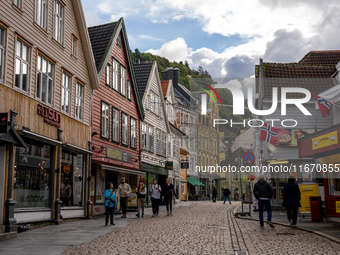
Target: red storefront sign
[{"x": 51, "y": 116}]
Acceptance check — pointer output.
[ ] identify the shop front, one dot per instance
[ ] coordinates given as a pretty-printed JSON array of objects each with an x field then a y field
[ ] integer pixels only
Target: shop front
[{"x": 324, "y": 147}]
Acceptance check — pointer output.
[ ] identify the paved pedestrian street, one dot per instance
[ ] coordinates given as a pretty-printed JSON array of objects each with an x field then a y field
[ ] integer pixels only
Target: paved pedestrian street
[{"x": 204, "y": 228}]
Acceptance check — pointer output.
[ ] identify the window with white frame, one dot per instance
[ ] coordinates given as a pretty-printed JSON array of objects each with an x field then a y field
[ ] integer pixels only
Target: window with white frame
[
  {"x": 183, "y": 187},
  {"x": 66, "y": 93},
  {"x": 169, "y": 146},
  {"x": 235, "y": 177},
  {"x": 144, "y": 135},
  {"x": 18, "y": 3},
  {"x": 107, "y": 81},
  {"x": 45, "y": 80},
  {"x": 158, "y": 142},
  {"x": 22, "y": 65},
  {"x": 151, "y": 139},
  {"x": 129, "y": 90},
  {"x": 163, "y": 144},
  {"x": 181, "y": 118},
  {"x": 156, "y": 105},
  {"x": 133, "y": 133},
  {"x": 115, "y": 74},
  {"x": 58, "y": 26},
  {"x": 123, "y": 81},
  {"x": 74, "y": 46},
  {"x": 105, "y": 120},
  {"x": 125, "y": 129},
  {"x": 79, "y": 101},
  {"x": 2, "y": 52},
  {"x": 115, "y": 125},
  {"x": 152, "y": 102},
  {"x": 41, "y": 13}
]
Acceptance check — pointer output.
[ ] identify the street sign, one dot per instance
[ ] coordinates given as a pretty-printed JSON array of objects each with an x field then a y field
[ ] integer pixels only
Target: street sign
[
  {"x": 252, "y": 177},
  {"x": 3, "y": 122},
  {"x": 184, "y": 165},
  {"x": 248, "y": 157}
]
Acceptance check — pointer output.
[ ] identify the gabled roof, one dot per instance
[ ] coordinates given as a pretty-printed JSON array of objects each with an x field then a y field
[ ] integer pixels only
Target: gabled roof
[
  {"x": 100, "y": 37},
  {"x": 142, "y": 73},
  {"x": 325, "y": 57},
  {"x": 85, "y": 41},
  {"x": 114, "y": 28},
  {"x": 165, "y": 85}
]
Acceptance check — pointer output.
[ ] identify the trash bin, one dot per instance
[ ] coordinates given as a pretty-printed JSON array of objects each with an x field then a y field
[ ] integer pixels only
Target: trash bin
[{"x": 316, "y": 208}]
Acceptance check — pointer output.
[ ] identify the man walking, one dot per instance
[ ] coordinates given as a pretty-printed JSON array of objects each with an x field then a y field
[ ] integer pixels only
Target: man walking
[
  {"x": 155, "y": 194},
  {"x": 226, "y": 193},
  {"x": 263, "y": 193},
  {"x": 124, "y": 190},
  {"x": 65, "y": 192}
]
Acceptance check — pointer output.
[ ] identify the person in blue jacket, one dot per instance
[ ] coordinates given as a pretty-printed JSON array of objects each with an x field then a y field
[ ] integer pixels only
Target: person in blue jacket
[
  {"x": 110, "y": 202},
  {"x": 291, "y": 199}
]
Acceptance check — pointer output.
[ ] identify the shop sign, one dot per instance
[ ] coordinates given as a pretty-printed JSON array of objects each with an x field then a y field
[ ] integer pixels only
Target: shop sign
[
  {"x": 184, "y": 165},
  {"x": 67, "y": 169},
  {"x": 307, "y": 190},
  {"x": 169, "y": 165},
  {"x": 325, "y": 140},
  {"x": 289, "y": 137},
  {"x": 337, "y": 206},
  {"x": 51, "y": 116},
  {"x": 118, "y": 155},
  {"x": 3, "y": 122}
]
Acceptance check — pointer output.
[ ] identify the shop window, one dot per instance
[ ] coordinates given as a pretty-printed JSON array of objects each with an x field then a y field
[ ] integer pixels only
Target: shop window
[
  {"x": 105, "y": 120},
  {"x": 2, "y": 52},
  {"x": 58, "y": 21},
  {"x": 334, "y": 183},
  {"x": 125, "y": 129},
  {"x": 133, "y": 133},
  {"x": 45, "y": 79},
  {"x": 41, "y": 13},
  {"x": 71, "y": 180},
  {"x": 79, "y": 101},
  {"x": 123, "y": 81},
  {"x": 115, "y": 74},
  {"x": 144, "y": 135},
  {"x": 115, "y": 125},
  {"x": 66, "y": 93},
  {"x": 22, "y": 66},
  {"x": 32, "y": 177}
]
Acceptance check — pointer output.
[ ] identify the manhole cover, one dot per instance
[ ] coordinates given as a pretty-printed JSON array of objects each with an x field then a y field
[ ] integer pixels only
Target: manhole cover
[
  {"x": 217, "y": 227},
  {"x": 285, "y": 234}
]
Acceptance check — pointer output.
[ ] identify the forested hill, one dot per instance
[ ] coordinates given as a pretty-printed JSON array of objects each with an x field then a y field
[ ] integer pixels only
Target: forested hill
[{"x": 185, "y": 71}]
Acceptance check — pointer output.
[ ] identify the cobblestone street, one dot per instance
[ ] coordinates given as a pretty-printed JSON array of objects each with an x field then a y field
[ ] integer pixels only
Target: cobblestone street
[{"x": 204, "y": 228}]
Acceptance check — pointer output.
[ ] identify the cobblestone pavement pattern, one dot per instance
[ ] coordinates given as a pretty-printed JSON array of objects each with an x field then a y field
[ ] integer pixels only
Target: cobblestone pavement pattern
[{"x": 204, "y": 228}]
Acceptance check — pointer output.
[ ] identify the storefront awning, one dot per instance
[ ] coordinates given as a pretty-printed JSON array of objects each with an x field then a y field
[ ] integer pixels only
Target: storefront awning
[
  {"x": 194, "y": 182},
  {"x": 119, "y": 169},
  {"x": 154, "y": 169}
]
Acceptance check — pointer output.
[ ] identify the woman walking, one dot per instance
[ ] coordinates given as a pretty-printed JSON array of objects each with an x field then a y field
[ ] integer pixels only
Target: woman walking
[
  {"x": 141, "y": 192},
  {"x": 110, "y": 202},
  {"x": 168, "y": 194},
  {"x": 291, "y": 199},
  {"x": 214, "y": 194}
]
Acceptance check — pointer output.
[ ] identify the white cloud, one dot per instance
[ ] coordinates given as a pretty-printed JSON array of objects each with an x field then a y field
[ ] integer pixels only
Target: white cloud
[
  {"x": 150, "y": 38},
  {"x": 175, "y": 50},
  {"x": 92, "y": 18}
]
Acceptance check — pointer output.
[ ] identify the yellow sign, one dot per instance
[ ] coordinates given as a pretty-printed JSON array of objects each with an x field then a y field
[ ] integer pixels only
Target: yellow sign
[
  {"x": 307, "y": 190},
  {"x": 337, "y": 206},
  {"x": 245, "y": 177},
  {"x": 325, "y": 140}
]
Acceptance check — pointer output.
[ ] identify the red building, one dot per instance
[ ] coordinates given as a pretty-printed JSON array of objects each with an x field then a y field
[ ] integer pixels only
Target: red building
[{"x": 116, "y": 114}]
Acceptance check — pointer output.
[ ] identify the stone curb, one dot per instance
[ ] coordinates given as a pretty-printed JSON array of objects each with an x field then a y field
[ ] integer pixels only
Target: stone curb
[{"x": 330, "y": 237}]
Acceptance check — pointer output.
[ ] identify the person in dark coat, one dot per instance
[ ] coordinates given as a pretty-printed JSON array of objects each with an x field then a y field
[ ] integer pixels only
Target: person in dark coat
[
  {"x": 291, "y": 199},
  {"x": 264, "y": 193},
  {"x": 214, "y": 194},
  {"x": 168, "y": 194},
  {"x": 226, "y": 193}
]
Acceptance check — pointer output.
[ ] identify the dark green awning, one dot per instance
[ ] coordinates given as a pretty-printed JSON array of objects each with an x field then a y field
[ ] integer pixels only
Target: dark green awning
[{"x": 194, "y": 182}]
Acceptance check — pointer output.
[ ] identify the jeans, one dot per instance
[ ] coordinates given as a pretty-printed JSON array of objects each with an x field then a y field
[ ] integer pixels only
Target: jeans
[
  {"x": 141, "y": 202},
  {"x": 265, "y": 203},
  {"x": 109, "y": 212},
  {"x": 225, "y": 198},
  {"x": 292, "y": 213},
  {"x": 155, "y": 205},
  {"x": 168, "y": 204},
  {"x": 123, "y": 204}
]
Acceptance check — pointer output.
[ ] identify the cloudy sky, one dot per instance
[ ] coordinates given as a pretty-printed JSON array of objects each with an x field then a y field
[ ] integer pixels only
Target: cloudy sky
[{"x": 225, "y": 37}]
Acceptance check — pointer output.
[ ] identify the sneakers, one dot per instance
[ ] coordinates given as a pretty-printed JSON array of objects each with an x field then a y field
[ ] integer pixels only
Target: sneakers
[
  {"x": 291, "y": 223},
  {"x": 261, "y": 226},
  {"x": 167, "y": 214},
  {"x": 105, "y": 224},
  {"x": 170, "y": 213},
  {"x": 137, "y": 215},
  {"x": 270, "y": 224},
  {"x": 142, "y": 215},
  {"x": 113, "y": 224},
  {"x": 153, "y": 215}
]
